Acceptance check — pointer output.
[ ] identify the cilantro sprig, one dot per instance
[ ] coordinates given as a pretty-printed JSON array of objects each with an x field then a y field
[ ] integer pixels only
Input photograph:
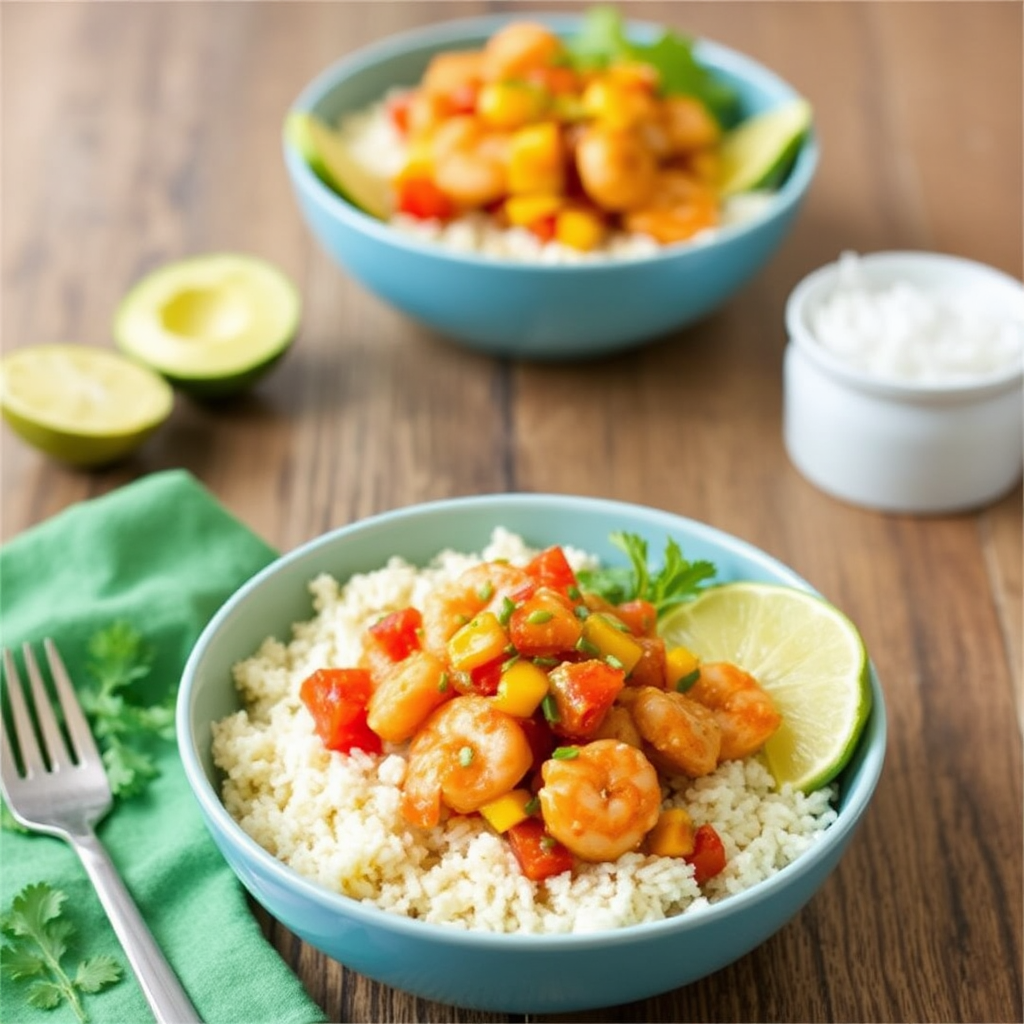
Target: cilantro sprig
[
  {"x": 602, "y": 40},
  {"x": 123, "y": 722},
  {"x": 36, "y": 939},
  {"x": 677, "y": 580}
]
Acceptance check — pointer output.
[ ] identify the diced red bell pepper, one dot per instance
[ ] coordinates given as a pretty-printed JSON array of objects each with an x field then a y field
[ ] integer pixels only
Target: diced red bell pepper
[
  {"x": 583, "y": 692},
  {"x": 336, "y": 698},
  {"x": 541, "y": 739},
  {"x": 543, "y": 228},
  {"x": 708, "y": 857},
  {"x": 551, "y": 568},
  {"x": 398, "y": 633},
  {"x": 398, "y": 110},
  {"x": 483, "y": 679},
  {"x": 420, "y": 197},
  {"x": 641, "y": 617},
  {"x": 539, "y": 854}
]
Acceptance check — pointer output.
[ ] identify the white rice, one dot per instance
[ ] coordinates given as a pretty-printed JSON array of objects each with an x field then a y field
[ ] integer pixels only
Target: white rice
[
  {"x": 904, "y": 332},
  {"x": 376, "y": 144},
  {"x": 335, "y": 818}
]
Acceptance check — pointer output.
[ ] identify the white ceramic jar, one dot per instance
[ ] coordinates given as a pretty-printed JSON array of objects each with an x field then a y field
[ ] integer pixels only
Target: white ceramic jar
[{"x": 906, "y": 445}]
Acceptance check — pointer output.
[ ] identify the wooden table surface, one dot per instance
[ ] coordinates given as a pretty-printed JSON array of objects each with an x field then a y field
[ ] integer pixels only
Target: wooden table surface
[{"x": 137, "y": 133}]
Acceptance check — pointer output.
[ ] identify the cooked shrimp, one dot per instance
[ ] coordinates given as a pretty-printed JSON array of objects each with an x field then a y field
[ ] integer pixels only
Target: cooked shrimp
[
  {"x": 745, "y": 712},
  {"x": 618, "y": 724},
  {"x": 465, "y": 755},
  {"x": 602, "y": 802},
  {"x": 688, "y": 124},
  {"x": 680, "y": 735},
  {"x": 405, "y": 695},
  {"x": 519, "y": 48},
  {"x": 451, "y": 605},
  {"x": 617, "y": 168},
  {"x": 470, "y": 164},
  {"x": 678, "y": 206}
]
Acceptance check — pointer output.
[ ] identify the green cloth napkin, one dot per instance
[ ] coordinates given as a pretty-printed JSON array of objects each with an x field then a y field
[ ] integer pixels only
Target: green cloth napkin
[{"x": 162, "y": 554}]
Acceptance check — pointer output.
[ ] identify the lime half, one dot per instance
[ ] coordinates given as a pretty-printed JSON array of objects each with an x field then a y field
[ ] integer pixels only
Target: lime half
[
  {"x": 82, "y": 405},
  {"x": 804, "y": 652},
  {"x": 331, "y": 160},
  {"x": 757, "y": 153}
]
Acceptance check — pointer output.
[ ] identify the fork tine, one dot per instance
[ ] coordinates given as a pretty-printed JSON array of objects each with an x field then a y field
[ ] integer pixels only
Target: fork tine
[
  {"x": 78, "y": 728},
  {"x": 31, "y": 758},
  {"x": 54, "y": 747}
]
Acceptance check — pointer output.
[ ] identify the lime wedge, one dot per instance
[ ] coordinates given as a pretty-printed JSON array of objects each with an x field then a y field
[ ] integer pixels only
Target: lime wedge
[
  {"x": 757, "y": 153},
  {"x": 85, "y": 406},
  {"x": 331, "y": 160},
  {"x": 804, "y": 652}
]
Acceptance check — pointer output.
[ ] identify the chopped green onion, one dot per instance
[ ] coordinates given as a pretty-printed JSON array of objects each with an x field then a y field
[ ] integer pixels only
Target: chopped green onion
[
  {"x": 508, "y": 606},
  {"x": 574, "y": 593},
  {"x": 532, "y": 806},
  {"x": 509, "y": 662},
  {"x": 543, "y": 662},
  {"x": 550, "y": 708},
  {"x": 688, "y": 680},
  {"x": 466, "y": 756},
  {"x": 547, "y": 843},
  {"x": 539, "y": 617},
  {"x": 565, "y": 753},
  {"x": 610, "y": 659},
  {"x": 584, "y": 646},
  {"x": 486, "y": 592},
  {"x": 582, "y": 611},
  {"x": 442, "y": 683}
]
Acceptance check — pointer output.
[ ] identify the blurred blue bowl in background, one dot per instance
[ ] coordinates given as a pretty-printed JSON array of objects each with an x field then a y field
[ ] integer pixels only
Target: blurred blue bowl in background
[{"x": 533, "y": 311}]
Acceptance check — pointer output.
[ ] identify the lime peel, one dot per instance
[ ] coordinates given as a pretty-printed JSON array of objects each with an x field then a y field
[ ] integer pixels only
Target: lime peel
[
  {"x": 805, "y": 652},
  {"x": 332, "y": 162},
  {"x": 759, "y": 151}
]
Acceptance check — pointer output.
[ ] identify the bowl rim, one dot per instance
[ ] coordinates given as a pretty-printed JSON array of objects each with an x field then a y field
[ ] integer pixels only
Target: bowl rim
[
  {"x": 871, "y": 746},
  {"x": 893, "y": 263},
  {"x": 713, "y": 54}
]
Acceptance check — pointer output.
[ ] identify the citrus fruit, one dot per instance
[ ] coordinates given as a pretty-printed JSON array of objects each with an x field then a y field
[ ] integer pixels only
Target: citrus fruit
[
  {"x": 804, "y": 652},
  {"x": 758, "y": 152},
  {"x": 212, "y": 325},
  {"x": 331, "y": 160},
  {"x": 82, "y": 405}
]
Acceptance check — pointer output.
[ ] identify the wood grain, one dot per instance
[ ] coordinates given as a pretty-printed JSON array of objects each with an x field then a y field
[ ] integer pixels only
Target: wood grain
[{"x": 136, "y": 133}]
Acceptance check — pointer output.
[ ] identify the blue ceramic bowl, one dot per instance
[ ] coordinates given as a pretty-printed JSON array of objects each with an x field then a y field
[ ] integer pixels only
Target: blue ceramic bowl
[
  {"x": 530, "y": 311},
  {"x": 508, "y": 973}
]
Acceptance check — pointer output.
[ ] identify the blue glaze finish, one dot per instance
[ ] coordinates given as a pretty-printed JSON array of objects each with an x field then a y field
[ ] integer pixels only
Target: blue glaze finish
[
  {"x": 508, "y": 973},
  {"x": 561, "y": 312}
]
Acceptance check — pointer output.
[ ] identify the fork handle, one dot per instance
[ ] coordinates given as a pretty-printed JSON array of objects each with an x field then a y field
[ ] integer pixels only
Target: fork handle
[{"x": 159, "y": 984}]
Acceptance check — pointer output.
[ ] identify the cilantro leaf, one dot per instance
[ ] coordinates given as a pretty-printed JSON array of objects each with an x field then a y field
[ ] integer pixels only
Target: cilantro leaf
[
  {"x": 602, "y": 40},
  {"x": 677, "y": 580},
  {"x": 123, "y": 723},
  {"x": 35, "y": 941}
]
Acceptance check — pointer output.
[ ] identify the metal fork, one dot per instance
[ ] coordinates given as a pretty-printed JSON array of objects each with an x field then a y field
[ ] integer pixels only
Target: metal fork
[{"x": 65, "y": 793}]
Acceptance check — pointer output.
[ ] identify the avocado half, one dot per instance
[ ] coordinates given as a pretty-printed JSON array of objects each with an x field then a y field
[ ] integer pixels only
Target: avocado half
[{"x": 212, "y": 325}]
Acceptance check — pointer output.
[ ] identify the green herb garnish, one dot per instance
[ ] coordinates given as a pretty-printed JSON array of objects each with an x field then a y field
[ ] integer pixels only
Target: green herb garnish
[
  {"x": 123, "y": 724},
  {"x": 675, "y": 582},
  {"x": 565, "y": 753},
  {"x": 36, "y": 940},
  {"x": 465, "y": 756},
  {"x": 539, "y": 617},
  {"x": 687, "y": 681},
  {"x": 602, "y": 41}
]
